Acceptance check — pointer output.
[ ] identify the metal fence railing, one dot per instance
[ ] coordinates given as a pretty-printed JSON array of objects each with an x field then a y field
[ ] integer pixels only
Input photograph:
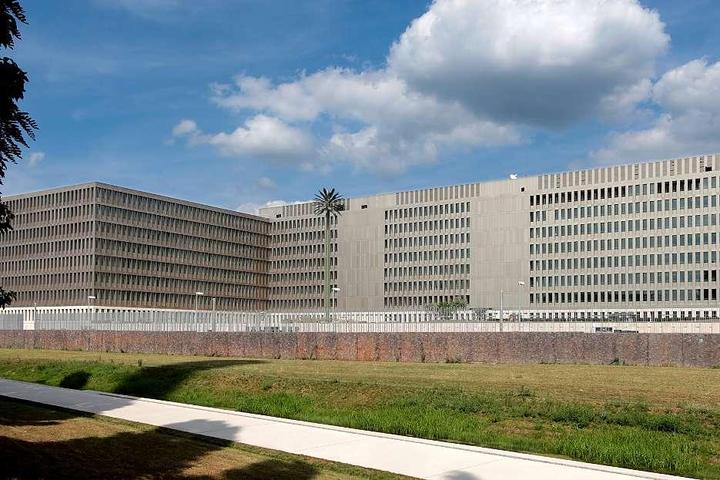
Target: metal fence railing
[
  {"x": 11, "y": 321},
  {"x": 149, "y": 320}
]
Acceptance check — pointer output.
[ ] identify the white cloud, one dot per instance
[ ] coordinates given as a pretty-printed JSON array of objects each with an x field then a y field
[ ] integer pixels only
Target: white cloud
[
  {"x": 689, "y": 99},
  {"x": 399, "y": 127},
  {"x": 261, "y": 136},
  {"x": 35, "y": 158},
  {"x": 266, "y": 183},
  {"x": 466, "y": 74},
  {"x": 537, "y": 62},
  {"x": 254, "y": 208},
  {"x": 185, "y": 127}
]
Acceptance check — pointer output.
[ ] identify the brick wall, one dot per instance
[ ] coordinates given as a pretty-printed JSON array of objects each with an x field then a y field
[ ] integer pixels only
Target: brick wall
[{"x": 594, "y": 348}]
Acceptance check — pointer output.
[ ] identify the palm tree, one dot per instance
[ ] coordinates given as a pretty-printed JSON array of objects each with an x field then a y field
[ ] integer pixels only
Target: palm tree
[{"x": 328, "y": 203}]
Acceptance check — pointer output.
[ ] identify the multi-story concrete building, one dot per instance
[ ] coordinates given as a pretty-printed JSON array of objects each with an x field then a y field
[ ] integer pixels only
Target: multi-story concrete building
[
  {"x": 111, "y": 246},
  {"x": 639, "y": 238}
]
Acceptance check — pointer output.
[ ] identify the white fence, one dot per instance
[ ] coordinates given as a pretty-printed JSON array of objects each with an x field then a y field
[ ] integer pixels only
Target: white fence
[
  {"x": 11, "y": 321},
  {"x": 126, "y": 319}
]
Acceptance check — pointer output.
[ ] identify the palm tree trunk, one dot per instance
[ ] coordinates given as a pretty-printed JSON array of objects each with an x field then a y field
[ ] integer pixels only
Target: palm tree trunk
[{"x": 327, "y": 266}]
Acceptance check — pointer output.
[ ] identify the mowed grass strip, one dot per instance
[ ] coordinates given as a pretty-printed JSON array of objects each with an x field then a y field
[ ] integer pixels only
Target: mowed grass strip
[
  {"x": 661, "y": 419},
  {"x": 42, "y": 442}
]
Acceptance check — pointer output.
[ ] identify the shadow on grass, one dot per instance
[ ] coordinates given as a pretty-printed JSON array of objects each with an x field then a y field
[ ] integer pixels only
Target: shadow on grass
[
  {"x": 153, "y": 453},
  {"x": 26, "y": 453},
  {"x": 153, "y": 382},
  {"x": 75, "y": 380},
  {"x": 159, "y": 381}
]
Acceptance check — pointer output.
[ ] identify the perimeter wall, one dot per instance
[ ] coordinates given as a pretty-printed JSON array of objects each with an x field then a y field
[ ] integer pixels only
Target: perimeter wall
[{"x": 701, "y": 350}]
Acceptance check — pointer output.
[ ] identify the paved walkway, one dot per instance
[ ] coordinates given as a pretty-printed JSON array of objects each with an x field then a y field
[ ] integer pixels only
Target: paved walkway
[{"x": 417, "y": 458}]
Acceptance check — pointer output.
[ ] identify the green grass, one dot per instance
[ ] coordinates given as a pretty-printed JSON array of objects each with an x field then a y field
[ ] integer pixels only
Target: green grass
[
  {"x": 662, "y": 419},
  {"x": 43, "y": 442}
]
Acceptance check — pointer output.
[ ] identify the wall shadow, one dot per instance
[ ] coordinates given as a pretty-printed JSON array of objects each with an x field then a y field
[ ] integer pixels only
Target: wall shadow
[
  {"x": 151, "y": 453},
  {"x": 75, "y": 380},
  {"x": 159, "y": 381}
]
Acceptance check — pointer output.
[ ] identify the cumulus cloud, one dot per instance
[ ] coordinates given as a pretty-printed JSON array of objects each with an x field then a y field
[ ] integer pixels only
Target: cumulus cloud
[
  {"x": 689, "y": 100},
  {"x": 35, "y": 158},
  {"x": 260, "y": 137},
  {"x": 185, "y": 127},
  {"x": 538, "y": 62},
  {"x": 466, "y": 74},
  {"x": 254, "y": 208},
  {"x": 400, "y": 127}
]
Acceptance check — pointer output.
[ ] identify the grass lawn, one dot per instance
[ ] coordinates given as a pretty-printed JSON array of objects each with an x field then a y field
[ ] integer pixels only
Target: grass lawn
[
  {"x": 663, "y": 419},
  {"x": 40, "y": 442}
]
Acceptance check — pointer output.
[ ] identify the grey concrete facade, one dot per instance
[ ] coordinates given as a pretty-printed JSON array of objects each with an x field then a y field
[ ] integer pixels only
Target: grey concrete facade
[
  {"x": 129, "y": 248},
  {"x": 641, "y": 238}
]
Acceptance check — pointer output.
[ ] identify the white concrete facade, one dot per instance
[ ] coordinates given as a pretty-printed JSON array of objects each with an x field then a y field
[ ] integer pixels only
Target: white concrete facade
[{"x": 641, "y": 238}]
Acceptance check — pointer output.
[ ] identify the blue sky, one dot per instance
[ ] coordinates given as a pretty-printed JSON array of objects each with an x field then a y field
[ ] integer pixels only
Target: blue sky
[{"x": 239, "y": 103}]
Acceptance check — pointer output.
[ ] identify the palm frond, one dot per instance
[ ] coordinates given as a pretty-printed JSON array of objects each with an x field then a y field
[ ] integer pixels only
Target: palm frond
[{"x": 329, "y": 202}]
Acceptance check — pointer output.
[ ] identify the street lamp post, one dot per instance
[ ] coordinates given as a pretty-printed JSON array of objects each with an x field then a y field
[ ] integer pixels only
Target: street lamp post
[
  {"x": 521, "y": 284},
  {"x": 501, "y": 310},
  {"x": 214, "y": 300},
  {"x": 335, "y": 291},
  {"x": 197, "y": 297},
  {"x": 91, "y": 306}
]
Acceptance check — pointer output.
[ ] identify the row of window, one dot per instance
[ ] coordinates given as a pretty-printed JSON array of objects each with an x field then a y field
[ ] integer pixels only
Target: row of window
[
  {"x": 427, "y": 225},
  {"x": 626, "y": 296},
  {"x": 427, "y": 210},
  {"x": 301, "y": 278},
  {"x": 637, "y": 208},
  {"x": 132, "y": 298},
  {"x": 629, "y": 243},
  {"x": 422, "y": 301},
  {"x": 300, "y": 304},
  {"x": 622, "y": 261},
  {"x": 427, "y": 241},
  {"x": 656, "y": 188},
  {"x": 187, "y": 229},
  {"x": 427, "y": 285},
  {"x": 72, "y": 214},
  {"x": 280, "y": 227},
  {"x": 56, "y": 296},
  {"x": 66, "y": 262},
  {"x": 170, "y": 209},
  {"x": 113, "y": 264},
  {"x": 26, "y": 235},
  {"x": 185, "y": 242},
  {"x": 637, "y": 278},
  {"x": 667, "y": 223},
  {"x": 427, "y": 270},
  {"x": 178, "y": 285},
  {"x": 427, "y": 256},
  {"x": 53, "y": 200},
  {"x": 176, "y": 255}
]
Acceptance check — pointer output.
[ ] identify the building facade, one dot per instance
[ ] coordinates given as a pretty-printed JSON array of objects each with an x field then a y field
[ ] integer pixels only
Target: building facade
[
  {"x": 111, "y": 246},
  {"x": 637, "y": 238}
]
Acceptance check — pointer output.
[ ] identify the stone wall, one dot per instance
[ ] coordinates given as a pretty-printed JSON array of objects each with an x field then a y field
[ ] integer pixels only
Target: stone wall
[{"x": 592, "y": 348}]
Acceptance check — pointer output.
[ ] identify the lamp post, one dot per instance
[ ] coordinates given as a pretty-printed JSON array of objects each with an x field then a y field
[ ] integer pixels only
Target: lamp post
[
  {"x": 335, "y": 291},
  {"x": 91, "y": 306},
  {"x": 521, "y": 284},
  {"x": 214, "y": 300},
  {"x": 501, "y": 310},
  {"x": 197, "y": 297}
]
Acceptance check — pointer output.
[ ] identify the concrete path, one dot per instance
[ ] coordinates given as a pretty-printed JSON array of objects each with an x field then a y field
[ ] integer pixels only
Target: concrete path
[{"x": 409, "y": 456}]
